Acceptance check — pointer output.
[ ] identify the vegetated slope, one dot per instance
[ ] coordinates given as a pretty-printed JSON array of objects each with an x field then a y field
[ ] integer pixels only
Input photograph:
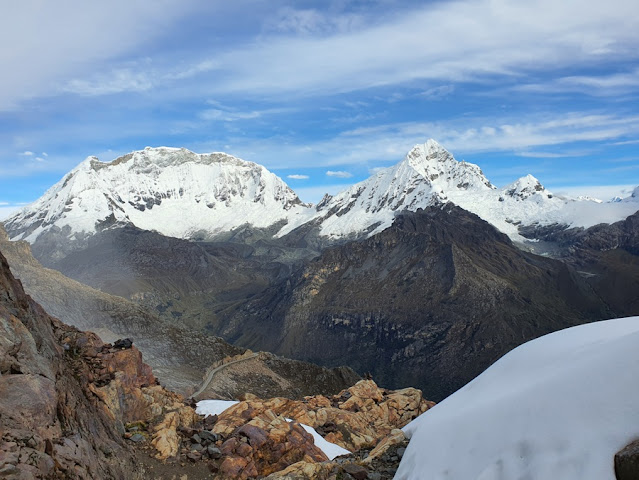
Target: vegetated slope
[
  {"x": 560, "y": 406},
  {"x": 429, "y": 302},
  {"x": 179, "y": 355}
]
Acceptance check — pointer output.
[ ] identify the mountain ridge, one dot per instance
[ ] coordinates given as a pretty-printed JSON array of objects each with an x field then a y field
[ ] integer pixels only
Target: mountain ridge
[{"x": 182, "y": 194}]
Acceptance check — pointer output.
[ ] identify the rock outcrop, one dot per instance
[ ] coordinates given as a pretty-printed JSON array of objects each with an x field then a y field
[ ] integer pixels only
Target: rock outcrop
[
  {"x": 358, "y": 417},
  {"x": 52, "y": 425},
  {"x": 627, "y": 462}
]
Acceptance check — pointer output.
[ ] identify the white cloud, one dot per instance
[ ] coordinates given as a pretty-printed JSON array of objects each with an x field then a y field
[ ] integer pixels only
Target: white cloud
[
  {"x": 117, "y": 81},
  {"x": 464, "y": 40},
  {"x": 298, "y": 177},
  {"x": 338, "y": 174},
  {"x": 45, "y": 154},
  {"x": 27, "y": 153},
  {"x": 596, "y": 85},
  {"x": 437, "y": 93},
  {"x": 602, "y": 192},
  {"x": 47, "y": 43},
  {"x": 7, "y": 210}
]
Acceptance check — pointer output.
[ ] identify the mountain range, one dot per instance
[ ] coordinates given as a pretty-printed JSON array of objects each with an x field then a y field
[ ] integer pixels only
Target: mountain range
[{"x": 422, "y": 275}]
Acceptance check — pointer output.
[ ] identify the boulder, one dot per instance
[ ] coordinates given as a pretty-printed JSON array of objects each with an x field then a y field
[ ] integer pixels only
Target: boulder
[{"x": 627, "y": 462}]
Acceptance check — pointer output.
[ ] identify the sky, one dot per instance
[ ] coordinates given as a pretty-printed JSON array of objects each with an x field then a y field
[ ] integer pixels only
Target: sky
[{"x": 323, "y": 93}]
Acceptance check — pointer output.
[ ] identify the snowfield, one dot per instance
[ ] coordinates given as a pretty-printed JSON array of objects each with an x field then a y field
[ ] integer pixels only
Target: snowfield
[{"x": 558, "y": 407}]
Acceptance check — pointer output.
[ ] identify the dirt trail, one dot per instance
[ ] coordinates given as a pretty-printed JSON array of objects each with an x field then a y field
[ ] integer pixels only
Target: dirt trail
[{"x": 210, "y": 375}]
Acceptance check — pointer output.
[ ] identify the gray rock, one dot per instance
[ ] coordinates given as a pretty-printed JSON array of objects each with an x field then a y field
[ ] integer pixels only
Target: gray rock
[
  {"x": 196, "y": 439},
  {"x": 401, "y": 451},
  {"x": 208, "y": 436},
  {"x": 627, "y": 462},
  {"x": 214, "y": 452},
  {"x": 196, "y": 447},
  {"x": 138, "y": 437}
]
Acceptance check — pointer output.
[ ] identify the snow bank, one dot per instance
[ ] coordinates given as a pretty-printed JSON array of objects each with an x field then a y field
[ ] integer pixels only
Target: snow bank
[
  {"x": 216, "y": 407},
  {"x": 558, "y": 407}
]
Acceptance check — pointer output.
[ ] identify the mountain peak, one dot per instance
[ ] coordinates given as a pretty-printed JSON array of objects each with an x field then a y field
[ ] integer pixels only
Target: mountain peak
[
  {"x": 174, "y": 191},
  {"x": 524, "y": 187}
]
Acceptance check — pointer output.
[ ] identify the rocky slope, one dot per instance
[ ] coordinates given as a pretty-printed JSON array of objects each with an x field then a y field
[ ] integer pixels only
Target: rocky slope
[
  {"x": 52, "y": 425},
  {"x": 430, "y": 302},
  {"x": 74, "y": 407},
  {"x": 178, "y": 355}
]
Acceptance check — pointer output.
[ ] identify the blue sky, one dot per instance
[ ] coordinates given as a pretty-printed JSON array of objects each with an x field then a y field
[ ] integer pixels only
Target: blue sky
[{"x": 323, "y": 93}]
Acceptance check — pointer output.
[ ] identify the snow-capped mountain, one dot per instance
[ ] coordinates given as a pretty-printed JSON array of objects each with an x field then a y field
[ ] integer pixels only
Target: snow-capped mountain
[
  {"x": 428, "y": 175},
  {"x": 173, "y": 191},
  {"x": 182, "y": 194}
]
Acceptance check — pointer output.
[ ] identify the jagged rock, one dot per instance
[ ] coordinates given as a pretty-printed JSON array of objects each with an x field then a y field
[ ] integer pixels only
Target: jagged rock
[
  {"x": 165, "y": 439},
  {"x": 357, "y": 418},
  {"x": 356, "y": 471},
  {"x": 627, "y": 462},
  {"x": 306, "y": 471},
  {"x": 123, "y": 343}
]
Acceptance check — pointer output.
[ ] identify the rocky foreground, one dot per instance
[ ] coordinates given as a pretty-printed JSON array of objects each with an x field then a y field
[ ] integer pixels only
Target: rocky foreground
[{"x": 72, "y": 406}]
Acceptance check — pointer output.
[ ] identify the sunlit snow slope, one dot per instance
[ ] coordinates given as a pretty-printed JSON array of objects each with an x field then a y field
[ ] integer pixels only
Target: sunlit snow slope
[
  {"x": 173, "y": 191},
  {"x": 558, "y": 407},
  {"x": 183, "y": 194},
  {"x": 429, "y": 174}
]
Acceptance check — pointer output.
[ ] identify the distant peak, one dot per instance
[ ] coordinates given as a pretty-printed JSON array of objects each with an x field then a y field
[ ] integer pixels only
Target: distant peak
[
  {"x": 428, "y": 152},
  {"x": 524, "y": 187}
]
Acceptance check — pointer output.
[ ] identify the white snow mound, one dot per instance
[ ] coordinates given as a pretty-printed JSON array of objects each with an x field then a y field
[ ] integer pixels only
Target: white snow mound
[{"x": 558, "y": 407}]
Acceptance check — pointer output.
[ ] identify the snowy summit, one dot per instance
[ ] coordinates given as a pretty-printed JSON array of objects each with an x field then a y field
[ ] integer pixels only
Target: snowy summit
[
  {"x": 173, "y": 191},
  {"x": 183, "y": 194}
]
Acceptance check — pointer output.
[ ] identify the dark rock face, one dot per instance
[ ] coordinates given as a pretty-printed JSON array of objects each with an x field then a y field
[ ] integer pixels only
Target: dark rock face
[
  {"x": 607, "y": 256},
  {"x": 627, "y": 462},
  {"x": 430, "y": 302},
  {"x": 51, "y": 426}
]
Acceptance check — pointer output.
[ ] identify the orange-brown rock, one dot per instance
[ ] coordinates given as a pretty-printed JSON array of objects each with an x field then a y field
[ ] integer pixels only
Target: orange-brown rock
[
  {"x": 359, "y": 417},
  {"x": 267, "y": 444}
]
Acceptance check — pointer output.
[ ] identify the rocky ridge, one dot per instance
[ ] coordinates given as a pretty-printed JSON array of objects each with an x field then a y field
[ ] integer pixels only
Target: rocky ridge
[
  {"x": 65, "y": 396},
  {"x": 74, "y": 407}
]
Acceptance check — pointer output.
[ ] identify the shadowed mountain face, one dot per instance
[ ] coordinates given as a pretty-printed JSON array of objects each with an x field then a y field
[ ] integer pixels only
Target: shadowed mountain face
[
  {"x": 178, "y": 354},
  {"x": 430, "y": 302},
  {"x": 607, "y": 255}
]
